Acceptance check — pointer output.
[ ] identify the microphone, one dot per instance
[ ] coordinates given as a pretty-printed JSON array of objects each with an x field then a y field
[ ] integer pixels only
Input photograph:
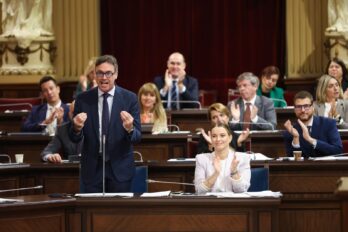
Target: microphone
[
  {"x": 150, "y": 181},
  {"x": 21, "y": 189},
  {"x": 174, "y": 126},
  {"x": 186, "y": 101},
  {"x": 7, "y": 156},
  {"x": 281, "y": 101},
  {"x": 140, "y": 155},
  {"x": 254, "y": 123}
]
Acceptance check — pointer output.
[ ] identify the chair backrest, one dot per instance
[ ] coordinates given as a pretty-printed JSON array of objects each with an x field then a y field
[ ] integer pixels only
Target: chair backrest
[
  {"x": 139, "y": 183},
  {"x": 259, "y": 180}
]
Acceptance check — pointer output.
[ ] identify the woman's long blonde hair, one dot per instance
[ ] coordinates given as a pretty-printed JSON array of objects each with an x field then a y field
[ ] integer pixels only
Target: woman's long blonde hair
[
  {"x": 322, "y": 87},
  {"x": 160, "y": 117}
]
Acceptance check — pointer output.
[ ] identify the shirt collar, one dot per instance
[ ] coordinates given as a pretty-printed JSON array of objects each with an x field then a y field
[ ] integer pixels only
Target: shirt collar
[
  {"x": 111, "y": 92},
  {"x": 54, "y": 106},
  {"x": 252, "y": 101}
]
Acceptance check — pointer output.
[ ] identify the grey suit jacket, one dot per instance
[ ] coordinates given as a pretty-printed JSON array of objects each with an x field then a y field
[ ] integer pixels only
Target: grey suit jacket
[
  {"x": 341, "y": 108},
  {"x": 62, "y": 144},
  {"x": 267, "y": 118}
]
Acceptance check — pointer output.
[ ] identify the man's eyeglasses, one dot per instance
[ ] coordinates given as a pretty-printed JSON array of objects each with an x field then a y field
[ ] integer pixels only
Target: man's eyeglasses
[
  {"x": 100, "y": 74},
  {"x": 305, "y": 107}
]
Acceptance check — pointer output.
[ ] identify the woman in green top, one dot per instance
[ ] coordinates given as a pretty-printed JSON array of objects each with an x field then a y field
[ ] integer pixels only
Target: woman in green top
[{"x": 267, "y": 87}]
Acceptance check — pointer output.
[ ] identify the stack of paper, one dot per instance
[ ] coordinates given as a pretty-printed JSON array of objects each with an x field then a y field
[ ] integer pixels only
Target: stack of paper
[
  {"x": 245, "y": 194},
  {"x": 156, "y": 194},
  {"x": 104, "y": 195}
]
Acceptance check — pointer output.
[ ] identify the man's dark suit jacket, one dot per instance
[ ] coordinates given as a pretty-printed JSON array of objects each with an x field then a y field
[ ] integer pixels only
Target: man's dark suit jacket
[
  {"x": 324, "y": 130},
  {"x": 118, "y": 142},
  {"x": 62, "y": 144},
  {"x": 191, "y": 93},
  {"x": 267, "y": 118},
  {"x": 37, "y": 115}
]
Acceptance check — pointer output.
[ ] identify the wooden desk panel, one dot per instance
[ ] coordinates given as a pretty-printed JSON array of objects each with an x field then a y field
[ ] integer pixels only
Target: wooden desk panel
[
  {"x": 307, "y": 187},
  {"x": 190, "y": 119},
  {"x": 12, "y": 122},
  {"x": 37, "y": 213},
  {"x": 152, "y": 147},
  {"x": 41, "y": 213},
  {"x": 181, "y": 214}
]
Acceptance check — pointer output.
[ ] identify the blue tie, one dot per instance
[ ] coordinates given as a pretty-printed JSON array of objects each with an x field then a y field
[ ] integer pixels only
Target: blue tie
[
  {"x": 174, "y": 96},
  {"x": 105, "y": 114},
  {"x": 105, "y": 122}
]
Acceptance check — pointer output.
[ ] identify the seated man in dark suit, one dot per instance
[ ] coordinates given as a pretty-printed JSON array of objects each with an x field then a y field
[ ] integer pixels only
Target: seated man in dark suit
[
  {"x": 313, "y": 135},
  {"x": 47, "y": 116},
  {"x": 61, "y": 146},
  {"x": 250, "y": 111},
  {"x": 175, "y": 86}
]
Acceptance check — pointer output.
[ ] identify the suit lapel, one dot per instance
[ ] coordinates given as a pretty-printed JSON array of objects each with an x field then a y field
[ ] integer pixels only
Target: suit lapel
[
  {"x": 43, "y": 112},
  {"x": 115, "y": 120},
  {"x": 94, "y": 111}
]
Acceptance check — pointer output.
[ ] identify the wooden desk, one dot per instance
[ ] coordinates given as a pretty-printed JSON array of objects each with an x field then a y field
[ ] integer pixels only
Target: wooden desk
[
  {"x": 308, "y": 189},
  {"x": 190, "y": 119},
  {"x": 38, "y": 213},
  {"x": 152, "y": 147},
  {"x": 164, "y": 146},
  {"x": 180, "y": 214},
  {"x": 30, "y": 146},
  {"x": 12, "y": 122},
  {"x": 187, "y": 119},
  {"x": 307, "y": 186}
]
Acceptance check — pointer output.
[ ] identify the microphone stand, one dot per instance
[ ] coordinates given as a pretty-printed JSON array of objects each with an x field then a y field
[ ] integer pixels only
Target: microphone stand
[
  {"x": 103, "y": 139},
  {"x": 167, "y": 182},
  {"x": 21, "y": 189}
]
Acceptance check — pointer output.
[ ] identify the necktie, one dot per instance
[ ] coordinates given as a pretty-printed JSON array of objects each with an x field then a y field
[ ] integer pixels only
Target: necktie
[
  {"x": 174, "y": 96},
  {"x": 246, "y": 117},
  {"x": 105, "y": 114},
  {"x": 105, "y": 122}
]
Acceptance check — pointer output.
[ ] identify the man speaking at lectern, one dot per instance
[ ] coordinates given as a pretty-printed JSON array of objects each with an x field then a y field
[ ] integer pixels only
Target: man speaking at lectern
[{"x": 114, "y": 112}]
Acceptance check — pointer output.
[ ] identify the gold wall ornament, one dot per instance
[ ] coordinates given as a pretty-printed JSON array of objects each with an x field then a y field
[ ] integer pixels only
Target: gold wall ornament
[{"x": 37, "y": 58}]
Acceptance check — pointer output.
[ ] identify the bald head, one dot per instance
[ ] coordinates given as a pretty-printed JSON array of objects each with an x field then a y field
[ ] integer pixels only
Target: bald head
[{"x": 176, "y": 64}]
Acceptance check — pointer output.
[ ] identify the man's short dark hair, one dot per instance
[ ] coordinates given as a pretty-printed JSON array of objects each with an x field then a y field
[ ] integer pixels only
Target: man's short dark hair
[
  {"x": 44, "y": 79},
  {"x": 107, "y": 59},
  {"x": 303, "y": 95}
]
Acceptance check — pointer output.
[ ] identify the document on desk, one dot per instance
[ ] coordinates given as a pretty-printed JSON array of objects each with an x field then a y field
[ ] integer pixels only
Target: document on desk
[
  {"x": 104, "y": 195},
  {"x": 182, "y": 160},
  {"x": 329, "y": 158},
  {"x": 8, "y": 200},
  {"x": 245, "y": 194},
  {"x": 259, "y": 156},
  {"x": 156, "y": 194}
]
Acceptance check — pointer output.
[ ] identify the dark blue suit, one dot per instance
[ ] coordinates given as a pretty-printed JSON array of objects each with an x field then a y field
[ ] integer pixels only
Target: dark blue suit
[
  {"x": 118, "y": 142},
  {"x": 38, "y": 115},
  {"x": 324, "y": 130},
  {"x": 191, "y": 93}
]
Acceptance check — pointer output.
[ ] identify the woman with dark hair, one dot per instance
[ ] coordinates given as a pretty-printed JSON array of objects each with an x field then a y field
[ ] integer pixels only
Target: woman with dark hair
[
  {"x": 268, "y": 86},
  {"x": 337, "y": 69}
]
